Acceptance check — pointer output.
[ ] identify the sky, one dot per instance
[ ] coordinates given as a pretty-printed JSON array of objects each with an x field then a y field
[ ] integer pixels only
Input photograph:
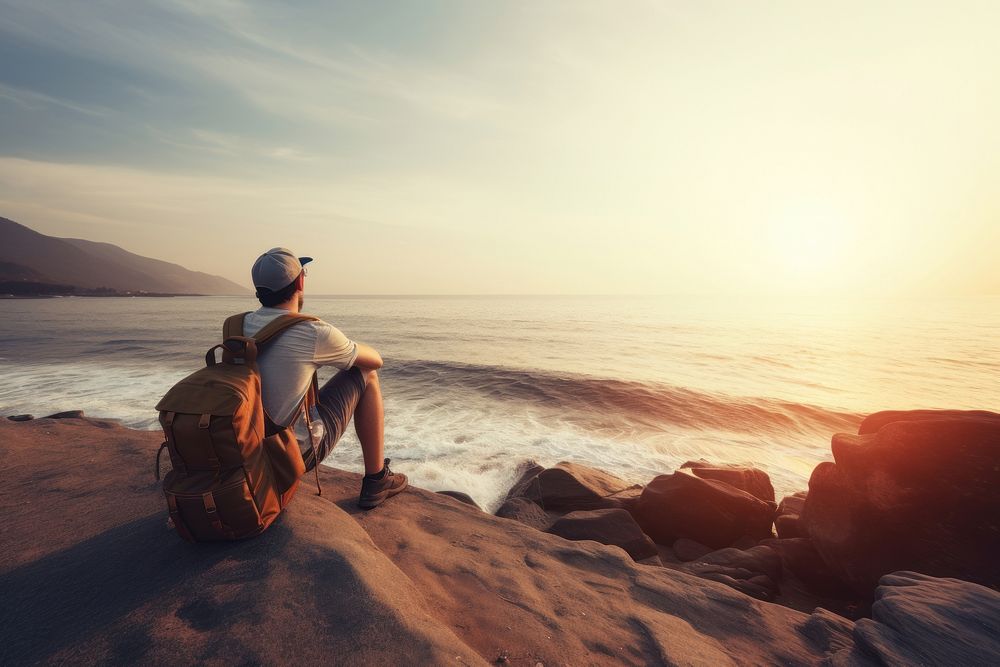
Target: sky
[{"x": 776, "y": 148}]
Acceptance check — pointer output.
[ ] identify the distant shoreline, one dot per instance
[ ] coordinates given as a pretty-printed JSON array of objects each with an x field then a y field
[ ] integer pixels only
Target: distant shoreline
[{"x": 91, "y": 296}]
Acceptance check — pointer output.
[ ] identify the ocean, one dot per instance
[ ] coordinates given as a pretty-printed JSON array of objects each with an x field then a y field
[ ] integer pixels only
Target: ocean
[{"x": 475, "y": 387}]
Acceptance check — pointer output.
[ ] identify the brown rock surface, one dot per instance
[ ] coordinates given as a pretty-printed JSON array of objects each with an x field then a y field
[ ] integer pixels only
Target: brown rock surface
[
  {"x": 525, "y": 511},
  {"x": 787, "y": 521},
  {"x": 90, "y": 573},
  {"x": 788, "y": 526},
  {"x": 800, "y": 559},
  {"x": 923, "y": 620},
  {"x": 615, "y": 527},
  {"x": 752, "y": 480},
  {"x": 567, "y": 487},
  {"x": 755, "y": 571},
  {"x": 461, "y": 497},
  {"x": 875, "y": 421},
  {"x": 66, "y": 414},
  {"x": 916, "y": 491},
  {"x": 793, "y": 504},
  {"x": 627, "y": 499},
  {"x": 688, "y": 550},
  {"x": 705, "y": 510}
]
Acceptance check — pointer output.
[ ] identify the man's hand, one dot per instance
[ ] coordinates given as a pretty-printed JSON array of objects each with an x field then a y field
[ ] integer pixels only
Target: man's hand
[{"x": 368, "y": 357}]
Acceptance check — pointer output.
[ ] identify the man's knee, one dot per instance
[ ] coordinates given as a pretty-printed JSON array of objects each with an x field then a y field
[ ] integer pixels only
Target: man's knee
[{"x": 371, "y": 376}]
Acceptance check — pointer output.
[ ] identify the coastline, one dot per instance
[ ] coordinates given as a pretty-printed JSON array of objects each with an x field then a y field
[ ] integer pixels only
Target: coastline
[
  {"x": 423, "y": 579},
  {"x": 92, "y": 296}
]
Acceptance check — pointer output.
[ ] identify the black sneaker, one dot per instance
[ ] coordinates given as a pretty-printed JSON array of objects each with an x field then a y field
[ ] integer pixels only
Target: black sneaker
[{"x": 375, "y": 491}]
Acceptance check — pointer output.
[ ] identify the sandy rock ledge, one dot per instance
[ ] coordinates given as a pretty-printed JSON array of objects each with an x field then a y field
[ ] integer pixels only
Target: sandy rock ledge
[{"x": 90, "y": 573}]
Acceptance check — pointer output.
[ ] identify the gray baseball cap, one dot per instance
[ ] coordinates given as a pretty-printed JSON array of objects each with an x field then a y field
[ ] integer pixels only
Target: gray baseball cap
[{"x": 277, "y": 268}]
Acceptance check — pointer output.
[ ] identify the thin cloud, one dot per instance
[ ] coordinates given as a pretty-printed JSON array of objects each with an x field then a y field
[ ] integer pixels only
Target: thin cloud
[{"x": 30, "y": 99}]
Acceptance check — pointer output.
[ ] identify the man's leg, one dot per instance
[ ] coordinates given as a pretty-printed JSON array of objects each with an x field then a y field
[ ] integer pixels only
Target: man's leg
[
  {"x": 369, "y": 423},
  {"x": 357, "y": 393},
  {"x": 352, "y": 393}
]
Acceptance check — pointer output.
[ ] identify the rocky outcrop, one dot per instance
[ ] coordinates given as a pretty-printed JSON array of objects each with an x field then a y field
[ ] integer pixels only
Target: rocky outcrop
[
  {"x": 526, "y": 512},
  {"x": 752, "y": 480},
  {"x": 567, "y": 487},
  {"x": 66, "y": 414},
  {"x": 688, "y": 550},
  {"x": 627, "y": 499},
  {"x": 787, "y": 521},
  {"x": 461, "y": 497},
  {"x": 103, "y": 580},
  {"x": 705, "y": 510},
  {"x": 916, "y": 491},
  {"x": 800, "y": 559},
  {"x": 922, "y": 620},
  {"x": 874, "y": 422},
  {"x": 755, "y": 571},
  {"x": 421, "y": 579},
  {"x": 614, "y": 527}
]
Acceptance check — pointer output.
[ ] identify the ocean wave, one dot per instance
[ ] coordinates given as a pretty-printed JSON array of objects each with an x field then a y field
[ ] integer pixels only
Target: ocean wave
[
  {"x": 149, "y": 348},
  {"x": 638, "y": 402}
]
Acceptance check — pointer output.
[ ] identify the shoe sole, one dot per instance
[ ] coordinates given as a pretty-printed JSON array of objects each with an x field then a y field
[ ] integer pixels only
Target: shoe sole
[{"x": 378, "y": 499}]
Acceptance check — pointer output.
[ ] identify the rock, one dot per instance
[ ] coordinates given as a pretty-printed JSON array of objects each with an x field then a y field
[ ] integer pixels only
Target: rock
[
  {"x": 792, "y": 504},
  {"x": 627, "y": 499},
  {"x": 800, "y": 559},
  {"x": 652, "y": 560},
  {"x": 525, "y": 511},
  {"x": 420, "y": 581},
  {"x": 528, "y": 472},
  {"x": 922, "y": 492},
  {"x": 688, "y": 550},
  {"x": 610, "y": 526},
  {"x": 755, "y": 571},
  {"x": 67, "y": 414},
  {"x": 873, "y": 423},
  {"x": 122, "y": 588},
  {"x": 786, "y": 519},
  {"x": 746, "y": 542},
  {"x": 752, "y": 480},
  {"x": 21, "y": 418},
  {"x": 788, "y": 526},
  {"x": 567, "y": 487},
  {"x": 760, "y": 560},
  {"x": 923, "y": 620},
  {"x": 705, "y": 510},
  {"x": 744, "y": 581},
  {"x": 461, "y": 497}
]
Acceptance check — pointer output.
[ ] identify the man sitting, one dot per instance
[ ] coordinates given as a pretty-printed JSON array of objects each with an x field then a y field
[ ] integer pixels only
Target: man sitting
[{"x": 287, "y": 365}]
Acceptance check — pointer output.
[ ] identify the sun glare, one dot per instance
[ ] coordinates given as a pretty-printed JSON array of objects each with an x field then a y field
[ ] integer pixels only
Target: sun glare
[{"x": 812, "y": 245}]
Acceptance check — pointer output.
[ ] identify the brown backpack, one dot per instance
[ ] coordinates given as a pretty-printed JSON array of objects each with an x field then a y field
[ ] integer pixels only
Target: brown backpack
[{"x": 234, "y": 469}]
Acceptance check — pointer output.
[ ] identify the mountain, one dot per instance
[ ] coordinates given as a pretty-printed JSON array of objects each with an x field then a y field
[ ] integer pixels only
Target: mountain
[{"x": 28, "y": 256}]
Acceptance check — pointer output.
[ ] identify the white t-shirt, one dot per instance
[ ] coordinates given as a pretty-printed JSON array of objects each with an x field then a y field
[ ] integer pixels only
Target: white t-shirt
[{"x": 288, "y": 362}]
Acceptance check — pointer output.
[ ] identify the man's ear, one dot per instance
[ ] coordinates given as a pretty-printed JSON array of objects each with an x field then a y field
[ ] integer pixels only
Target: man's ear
[{"x": 300, "y": 282}]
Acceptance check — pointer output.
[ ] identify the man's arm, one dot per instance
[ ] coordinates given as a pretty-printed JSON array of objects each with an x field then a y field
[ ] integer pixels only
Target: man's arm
[{"x": 368, "y": 358}]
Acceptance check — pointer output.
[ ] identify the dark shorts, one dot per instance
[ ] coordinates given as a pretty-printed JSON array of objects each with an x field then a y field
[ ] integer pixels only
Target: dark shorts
[{"x": 338, "y": 398}]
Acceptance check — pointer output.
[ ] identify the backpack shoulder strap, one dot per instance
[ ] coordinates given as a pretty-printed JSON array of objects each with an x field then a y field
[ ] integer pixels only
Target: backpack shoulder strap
[
  {"x": 279, "y": 324},
  {"x": 233, "y": 326}
]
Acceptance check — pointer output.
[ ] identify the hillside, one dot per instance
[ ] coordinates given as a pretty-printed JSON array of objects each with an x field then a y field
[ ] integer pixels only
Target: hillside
[{"x": 28, "y": 256}]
